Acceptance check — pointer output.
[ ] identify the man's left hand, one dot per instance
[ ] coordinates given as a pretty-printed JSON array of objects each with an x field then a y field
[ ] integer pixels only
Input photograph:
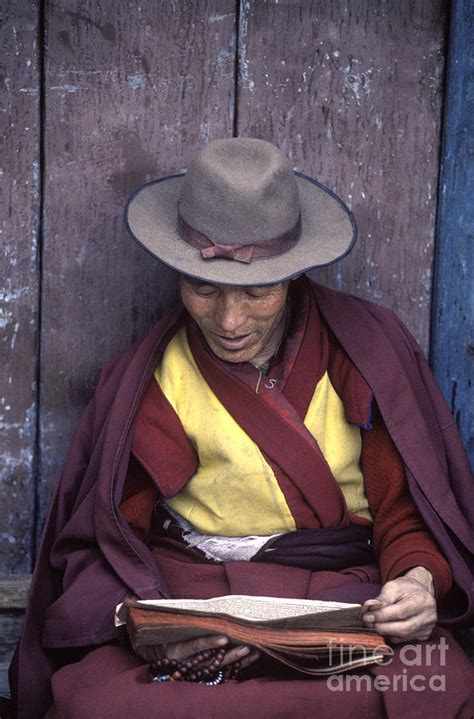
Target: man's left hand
[{"x": 409, "y": 607}]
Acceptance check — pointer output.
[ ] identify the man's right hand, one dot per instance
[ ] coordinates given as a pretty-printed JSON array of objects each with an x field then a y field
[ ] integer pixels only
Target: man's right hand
[{"x": 186, "y": 650}]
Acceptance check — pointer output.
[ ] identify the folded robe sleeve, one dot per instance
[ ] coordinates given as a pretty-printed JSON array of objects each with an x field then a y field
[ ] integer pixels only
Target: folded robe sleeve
[{"x": 401, "y": 537}]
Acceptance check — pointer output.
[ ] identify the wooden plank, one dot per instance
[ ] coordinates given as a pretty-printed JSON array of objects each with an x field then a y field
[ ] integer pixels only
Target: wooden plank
[
  {"x": 13, "y": 599},
  {"x": 10, "y": 628},
  {"x": 452, "y": 351},
  {"x": 130, "y": 95},
  {"x": 351, "y": 91},
  {"x": 19, "y": 222},
  {"x": 14, "y": 590}
]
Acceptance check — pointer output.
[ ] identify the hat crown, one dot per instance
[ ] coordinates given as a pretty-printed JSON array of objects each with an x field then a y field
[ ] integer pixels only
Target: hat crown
[
  {"x": 241, "y": 216},
  {"x": 240, "y": 191}
]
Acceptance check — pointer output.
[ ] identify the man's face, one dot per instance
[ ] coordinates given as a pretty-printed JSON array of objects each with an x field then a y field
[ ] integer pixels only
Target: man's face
[{"x": 240, "y": 324}]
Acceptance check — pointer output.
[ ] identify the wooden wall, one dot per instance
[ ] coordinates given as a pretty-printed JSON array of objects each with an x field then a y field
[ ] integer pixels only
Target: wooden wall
[
  {"x": 20, "y": 280},
  {"x": 353, "y": 95},
  {"x": 452, "y": 342},
  {"x": 100, "y": 96},
  {"x": 129, "y": 96}
]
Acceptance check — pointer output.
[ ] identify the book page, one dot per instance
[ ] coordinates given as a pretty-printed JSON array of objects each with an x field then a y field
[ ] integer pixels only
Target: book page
[{"x": 250, "y": 608}]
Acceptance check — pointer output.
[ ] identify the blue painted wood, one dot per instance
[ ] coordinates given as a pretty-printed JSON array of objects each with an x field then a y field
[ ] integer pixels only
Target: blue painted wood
[{"x": 452, "y": 349}]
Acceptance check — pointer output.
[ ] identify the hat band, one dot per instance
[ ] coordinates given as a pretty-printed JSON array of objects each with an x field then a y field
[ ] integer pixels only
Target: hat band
[{"x": 241, "y": 253}]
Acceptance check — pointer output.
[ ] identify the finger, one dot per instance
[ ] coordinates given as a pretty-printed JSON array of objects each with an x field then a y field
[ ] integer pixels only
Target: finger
[
  {"x": 401, "y": 611},
  {"x": 417, "y": 603},
  {"x": 183, "y": 650},
  {"x": 242, "y": 654},
  {"x": 236, "y": 654},
  {"x": 250, "y": 659},
  {"x": 253, "y": 657},
  {"x": 408, "y": 629},
  {"x": 392, "y": 613},
  {"x": 371, "y": 605},
  {"x": 368, "y": 609},
  {"x": 236, "y": 667}
]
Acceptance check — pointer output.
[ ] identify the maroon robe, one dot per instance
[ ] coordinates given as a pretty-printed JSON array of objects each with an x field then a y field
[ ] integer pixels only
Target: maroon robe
[
  {"x": 271, "y": 411},
  {"x": 90, "y": 559}
]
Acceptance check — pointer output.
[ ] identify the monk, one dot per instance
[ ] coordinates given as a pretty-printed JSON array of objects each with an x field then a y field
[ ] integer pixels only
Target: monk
[{"x": 268, "y": 437}]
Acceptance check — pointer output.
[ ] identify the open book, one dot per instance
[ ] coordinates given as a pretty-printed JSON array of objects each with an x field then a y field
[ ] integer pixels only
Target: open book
[{"x": 310, "y": 636}]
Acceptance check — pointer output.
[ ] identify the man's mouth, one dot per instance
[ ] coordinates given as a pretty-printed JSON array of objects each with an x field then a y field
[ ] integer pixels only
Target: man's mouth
[{"x": 232, "y": 343}]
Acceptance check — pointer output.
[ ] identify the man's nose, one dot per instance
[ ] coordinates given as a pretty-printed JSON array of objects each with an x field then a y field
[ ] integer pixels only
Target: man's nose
[{"x": 230, "y": 314}]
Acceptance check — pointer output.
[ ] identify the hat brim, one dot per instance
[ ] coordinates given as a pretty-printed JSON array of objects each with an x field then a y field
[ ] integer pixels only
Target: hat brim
[{"x": 328, "y": 234}]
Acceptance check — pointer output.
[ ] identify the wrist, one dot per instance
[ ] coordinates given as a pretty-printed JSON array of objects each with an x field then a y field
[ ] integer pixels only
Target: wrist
[{"x": 423, "y": 576}]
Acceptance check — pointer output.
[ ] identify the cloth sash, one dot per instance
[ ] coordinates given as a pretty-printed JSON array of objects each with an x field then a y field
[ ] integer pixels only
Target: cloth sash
[{"x": 327, "y": 549}]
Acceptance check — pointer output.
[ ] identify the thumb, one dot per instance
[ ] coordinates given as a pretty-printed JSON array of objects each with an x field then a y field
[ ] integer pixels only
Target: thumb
[{"x": 371, "y": 605}]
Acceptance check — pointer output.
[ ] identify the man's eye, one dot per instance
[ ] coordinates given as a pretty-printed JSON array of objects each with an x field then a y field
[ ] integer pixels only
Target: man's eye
[
  {"x": 255, "y": 294},
  {"x": 206, "y": 292}
]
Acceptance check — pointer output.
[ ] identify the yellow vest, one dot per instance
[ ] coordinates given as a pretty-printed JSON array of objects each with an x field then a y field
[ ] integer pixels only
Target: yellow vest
[{"x": 234, "y": 491}]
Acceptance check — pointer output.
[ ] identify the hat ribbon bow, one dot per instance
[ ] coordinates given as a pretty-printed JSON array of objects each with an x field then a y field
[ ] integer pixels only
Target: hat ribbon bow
[{"x": 241, "y": 253}]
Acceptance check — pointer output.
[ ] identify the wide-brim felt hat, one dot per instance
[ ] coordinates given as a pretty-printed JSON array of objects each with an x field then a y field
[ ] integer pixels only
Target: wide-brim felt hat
[{"x": 240, "y": 216}]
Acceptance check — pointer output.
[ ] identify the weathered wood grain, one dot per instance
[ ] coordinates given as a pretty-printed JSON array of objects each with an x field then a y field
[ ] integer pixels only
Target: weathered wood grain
[
  {"x": 351, "y": 91},
  {"x": 19, "y": 222},
  {"x": 14, "y": 590},
  {"x": 13, "y": 597},
  {"x": 452, "y": 351},
  {"x": 10, "y": 628},
  {"x": 130, "y": 96}
]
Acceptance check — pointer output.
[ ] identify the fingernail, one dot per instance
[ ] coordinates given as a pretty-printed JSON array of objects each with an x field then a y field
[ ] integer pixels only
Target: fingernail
[
  {"x": 220, "y": 641},
  {"x": 243, "y": 651},
  {"x": 369, "y": 618}
]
